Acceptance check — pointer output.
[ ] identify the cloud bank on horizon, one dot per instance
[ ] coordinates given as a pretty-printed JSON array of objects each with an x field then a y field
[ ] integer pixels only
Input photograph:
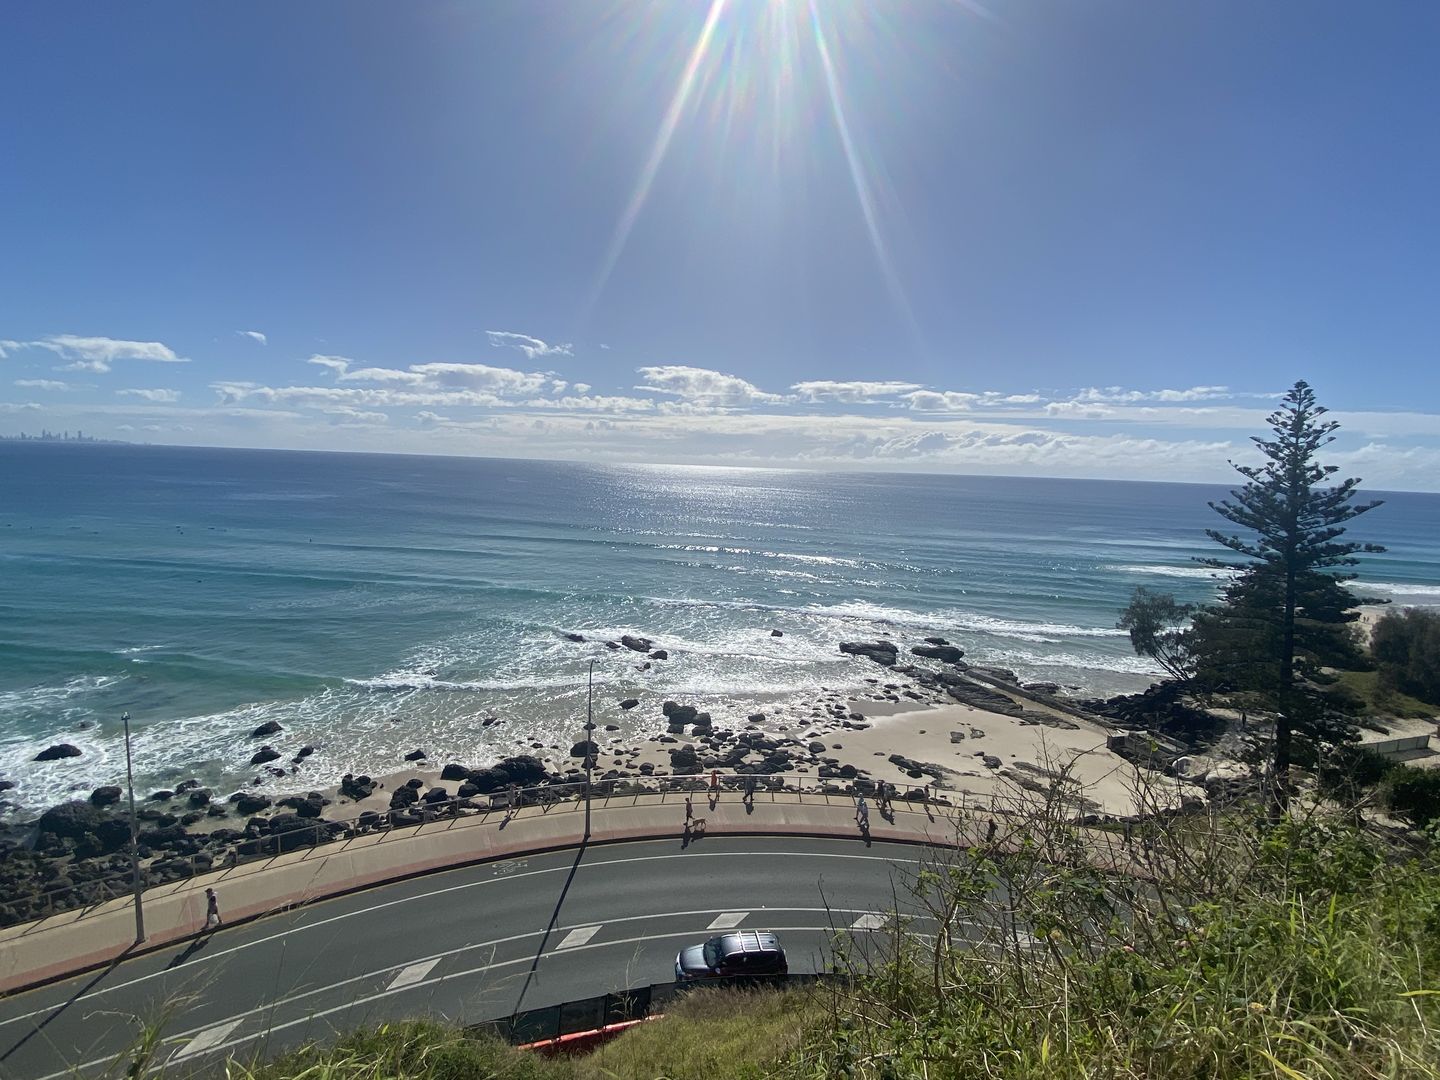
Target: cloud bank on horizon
[{"x": 684, "y": 414}]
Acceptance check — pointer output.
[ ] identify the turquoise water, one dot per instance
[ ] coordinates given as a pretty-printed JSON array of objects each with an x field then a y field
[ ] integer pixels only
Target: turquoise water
[{"x": 373, "y": 604}]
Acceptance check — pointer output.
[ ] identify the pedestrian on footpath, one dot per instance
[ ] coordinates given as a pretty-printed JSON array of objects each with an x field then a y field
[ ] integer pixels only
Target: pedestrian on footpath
[
  {"x": 212, "y": 910},
  {"x": 990, "y": 832},
  {"x": 510, "y": 793},
  {"x": 862, "y": 813},
  {"x": 714, "y": 785},
  {"x": 689, "y": 811}
]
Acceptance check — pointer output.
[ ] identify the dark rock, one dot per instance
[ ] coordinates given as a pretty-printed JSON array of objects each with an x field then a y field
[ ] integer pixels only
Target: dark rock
[
  {"x": 468, "y": 790},
  {"x": 368, "y": 819},
  {"x": 659, "y": 654},
  {"x": 629, "y": 703},
  {"x": 703, "y": 722},
  {"x": 946, "y": 653},
  {"x": 70, "y": 820},
  {"x": 1048, "y": 688},
  {"x": 487, "y": 781},
  {"x": 264, "y": 754},
  {"x": 936, "y": 641},
  {"x": 415, "y": 755},
  {"x": 186, "y": 785},
  {"x": 58, "y": 751},
  {"x": 612, "y": 644},
  {"x": 524, "y": 769},
  {"x": 679, "y": 714},
  {"x": 105, "y": 796},
  {"x": 305, "y": 751},
  {"x": 882, "y": 652},
  {"x": 6, "y": 785},
  {"x": 454, "y": 772},
  {"x": 402, "y": 797},
  {"x": 777, "y": 633},
  {"x": 982, "y": 697},
  {"x": 848, "y": 772},
  {"x": 990, "y": 761},
  {"x": 161, "y": 796},
  {"x": 415, "y": 782},
  {"x": 635, "y": 643},
  {"x": 755, "y": 718},
  {"x": 270, "y": 727},
  {"x": 247, "y": 803},
  {"x": 437, "y": 795},
  {"x": 574, "y": 637},
  {"x": 584, "y": 749},
  {"x": 356, "y": 787}
]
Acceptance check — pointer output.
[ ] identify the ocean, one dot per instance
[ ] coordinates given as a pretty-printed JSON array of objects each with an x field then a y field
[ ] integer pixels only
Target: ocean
[{"x": 376, "y": 604}]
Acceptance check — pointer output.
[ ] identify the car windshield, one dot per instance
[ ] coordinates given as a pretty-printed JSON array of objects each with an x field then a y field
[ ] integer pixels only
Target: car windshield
[{"x": 712, "y": 952}]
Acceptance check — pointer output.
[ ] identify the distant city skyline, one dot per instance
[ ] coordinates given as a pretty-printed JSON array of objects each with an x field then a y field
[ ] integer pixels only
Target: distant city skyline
[{"x": 995, "y": 237}]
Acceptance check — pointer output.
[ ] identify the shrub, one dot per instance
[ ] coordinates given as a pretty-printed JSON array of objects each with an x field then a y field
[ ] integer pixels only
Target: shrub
[
  {"x": 1406, "y": 648},
  {"x": 1413, "y": 794}
]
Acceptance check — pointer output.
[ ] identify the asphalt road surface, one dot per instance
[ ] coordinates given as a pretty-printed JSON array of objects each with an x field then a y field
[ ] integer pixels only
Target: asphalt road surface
[{"x": 477, "y": 943}]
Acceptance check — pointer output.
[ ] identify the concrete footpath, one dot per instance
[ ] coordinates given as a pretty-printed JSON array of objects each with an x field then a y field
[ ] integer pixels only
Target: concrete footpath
[{"x": 74, "y": 941}]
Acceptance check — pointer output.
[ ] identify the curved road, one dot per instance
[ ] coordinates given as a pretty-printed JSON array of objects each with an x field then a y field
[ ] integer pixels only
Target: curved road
[{"x": 477, "y": 943}]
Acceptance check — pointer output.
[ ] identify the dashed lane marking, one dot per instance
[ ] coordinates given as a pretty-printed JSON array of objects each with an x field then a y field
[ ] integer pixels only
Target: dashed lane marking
[
  {"x": 868, "y": 922},
  {"x": 413, "y": 974},
  {"x": 578, "y": 936},
  {"x": 208, "y": 1039},
  {"x": 728, "y": 920}
]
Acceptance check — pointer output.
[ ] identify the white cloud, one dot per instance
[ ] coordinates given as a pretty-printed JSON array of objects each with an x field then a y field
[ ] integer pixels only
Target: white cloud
[
  {"x": 43, "y": 384},
  {"x": 152, "y": 395},
  {"x": 703, "y": 386},
  {"x": 254, "y": 335},
  {"x": 505, "y": 381},
  {"x": 941, "y": 401},
  {"x": 581, "y": 388},
  {"x": 337, "y": 364},
  {"x": 7, "y": 346},
  {"x": 530, "y": 346},
  {"x": 101, "y": 352},
  {"x": 1118, "y": 394},
  {"x": 850, "y": 392}
]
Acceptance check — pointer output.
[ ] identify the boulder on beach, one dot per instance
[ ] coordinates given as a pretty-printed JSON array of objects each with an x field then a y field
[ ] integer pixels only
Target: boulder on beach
[
  {"x": 264, "y": 754},
  {"x": 454, "y": 772},
  {"x": 270, "y": 727},
  {"x": 437, "y": 795},
  {"x": 679, "y": 714},
  {"x": 936, "y": 641},
  {"x": 948, "y": 654},
  {"x": 777, "y": 633},
  {"x": 70, "y": 819},
  {"x": 356, "y": 787},
  {"x": 58, "y": 751},
  {"x": 636, "y": 644},
  {"x": 882, "y": 652},
  {"x": 583, "y": 749},
  {"x": 524, "y": 769},
  {"x": 108, "y": 795},
  {"x": 402, "y": 797},
  {"x": 629, "y": 703},
  {"x": 247, "y": 803},
  {"x": 416, "y": 755},
  {"x": 163, "y": 795}
]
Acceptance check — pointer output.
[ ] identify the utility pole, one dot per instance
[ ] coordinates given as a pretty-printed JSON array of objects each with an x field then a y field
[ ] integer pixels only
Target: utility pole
[
  {"x": 134, "y": 838},
  {"x": 589, "y": 743}
]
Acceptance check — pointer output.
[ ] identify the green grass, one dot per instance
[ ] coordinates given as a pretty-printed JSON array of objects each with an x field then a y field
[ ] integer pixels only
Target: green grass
[
  {"x": 1383, "y": 702},
  {"x": 708, "y": 1034}
]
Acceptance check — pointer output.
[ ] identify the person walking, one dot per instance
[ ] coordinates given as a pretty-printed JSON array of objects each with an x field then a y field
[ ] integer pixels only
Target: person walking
[
  {"x": 862, "y": 813},
  {"x": 990, "y": 832},
  {"x": 689, "y": 811},
  {"x": 714, "y": 785},
  {"x": 212, "y": 910}
]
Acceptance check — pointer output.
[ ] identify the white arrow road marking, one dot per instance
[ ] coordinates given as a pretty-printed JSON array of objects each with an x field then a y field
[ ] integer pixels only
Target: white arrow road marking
[
  {"x": 210, "y": 1037},
  {"x": 578, "y": 937},
  {"x": 728, "y": 921},
  {"x": 868, "y": 922},
  {"x": 413, "y": 974}
]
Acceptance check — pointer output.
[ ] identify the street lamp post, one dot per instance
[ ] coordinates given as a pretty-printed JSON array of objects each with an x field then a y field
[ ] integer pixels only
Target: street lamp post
[
  {"x": 589, "y": 743},
  {"x": 134, "y": 837}
]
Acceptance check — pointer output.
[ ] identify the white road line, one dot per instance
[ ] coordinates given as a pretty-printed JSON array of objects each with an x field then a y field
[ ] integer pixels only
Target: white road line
[
  {"x": 208, "y": 1039},
  {"x": 728, "y": 921},
  {"x": 868, "y": 922},
  {"x": 578, "y": 937},
  {"x": 413, "y": 974},
  {"x": 211, "y": 957}
]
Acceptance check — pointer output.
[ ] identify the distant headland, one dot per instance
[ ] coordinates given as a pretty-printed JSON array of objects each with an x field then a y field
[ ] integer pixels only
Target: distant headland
[{"x": 63, "y": 437}]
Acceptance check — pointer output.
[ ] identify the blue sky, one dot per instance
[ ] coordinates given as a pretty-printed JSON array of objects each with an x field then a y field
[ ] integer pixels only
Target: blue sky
[{"x": 1087, "y": 238}]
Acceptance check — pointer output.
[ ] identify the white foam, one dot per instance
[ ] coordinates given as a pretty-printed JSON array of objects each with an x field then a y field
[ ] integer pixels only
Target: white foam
[
  {"x": 1191, "y": 572},
  {"x": 1393, "y": 588}
]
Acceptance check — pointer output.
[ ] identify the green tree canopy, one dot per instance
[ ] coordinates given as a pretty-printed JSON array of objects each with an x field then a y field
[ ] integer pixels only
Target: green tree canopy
[{"x": 1284, "y": 617}]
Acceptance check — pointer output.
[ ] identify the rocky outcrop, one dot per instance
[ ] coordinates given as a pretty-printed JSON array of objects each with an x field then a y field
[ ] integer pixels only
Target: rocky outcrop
[
  {"x": 679, "y": 714},
  {"x": 574, "y": 637},
  {"x": 70, "y": 819},
  {"x": 454, "y": 772},
  {"x": 949, "y": 654},
  {"x": 247, "y": 803},
  {"x": 584, "y": 749},
  {"x": 356, "y": 787},
  {"x": 659, "y": 654},
  {"x": 264, "y": 754},
  {"x": 777, "y": 633},
  {"x": 636, "y": 644},
  {"x": 882, "y": 652},
  {"x": 416, "y": 755},
  {"x": 270, "y": 727},
  {"x": 57, "y": 752},
  {"x": 629, "y": 703},
  {"x": 108, "y": 795}
]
